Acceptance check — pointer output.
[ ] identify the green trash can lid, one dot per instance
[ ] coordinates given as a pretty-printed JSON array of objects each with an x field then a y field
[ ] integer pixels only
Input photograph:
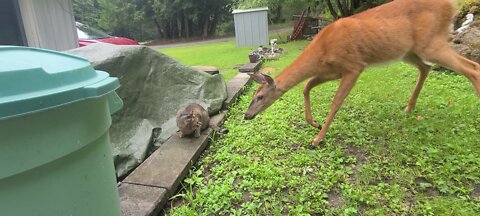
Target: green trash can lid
[{"x": 33, "y": 79}]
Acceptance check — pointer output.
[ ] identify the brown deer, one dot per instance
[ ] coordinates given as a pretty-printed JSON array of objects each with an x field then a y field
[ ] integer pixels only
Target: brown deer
[{"x": 414, "y": 31}]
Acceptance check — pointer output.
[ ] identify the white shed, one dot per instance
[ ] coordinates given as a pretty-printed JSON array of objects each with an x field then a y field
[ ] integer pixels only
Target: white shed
[
  {"x": 251, "y": 26},
  {"x": 46, "y": 24}
]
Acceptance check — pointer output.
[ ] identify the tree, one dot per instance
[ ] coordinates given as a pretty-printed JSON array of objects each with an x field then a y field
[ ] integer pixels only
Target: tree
[
  {"x": 183, "y": 18},
  {"x": 344, "y": 8},
  {"x": 86, "y": 11},
  {"x": 126, "y": 18}
]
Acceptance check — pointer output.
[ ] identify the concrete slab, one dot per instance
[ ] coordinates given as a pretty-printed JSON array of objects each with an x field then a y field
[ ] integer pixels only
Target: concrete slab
[
  {"x": 219, "y": 118},
  {"x": 208, "y": 69},
  {"x": 137, "y": 200},
  {"x": 146, "y": 190},
  {"x": 169, "y": 164},
  {"x": 250, "y": 67},
  {"x": 235, "y": 87}
]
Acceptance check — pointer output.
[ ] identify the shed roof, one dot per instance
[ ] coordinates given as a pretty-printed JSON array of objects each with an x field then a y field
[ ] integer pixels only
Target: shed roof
[{"x": 236, "y": 11}]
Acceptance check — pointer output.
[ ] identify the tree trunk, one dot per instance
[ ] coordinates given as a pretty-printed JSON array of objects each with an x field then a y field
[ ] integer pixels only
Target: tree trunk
[
  {"x": 159, "y": 28},
  {"x": 351, "y": 7},
  {"x": 205, "y": 27},
  {"x": 278, "y": 13},
  {"x": 174, "y": 29},
  {"x": 185, "y": 24},
  {"x": 342, "y": 9},
  {"x": 181, "y": 27},
  {"x": 169, "y": 31},
  {"x": 212, "y": 28},
  {"x": 331, "y": 9}
]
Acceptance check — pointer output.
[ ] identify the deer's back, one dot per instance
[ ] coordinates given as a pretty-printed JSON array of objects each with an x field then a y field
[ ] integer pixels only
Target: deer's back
[{"x": 385, "y": 33}]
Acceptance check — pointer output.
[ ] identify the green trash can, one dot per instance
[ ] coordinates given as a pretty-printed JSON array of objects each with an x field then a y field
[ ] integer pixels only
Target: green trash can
[{"x": 55, "y": 152}]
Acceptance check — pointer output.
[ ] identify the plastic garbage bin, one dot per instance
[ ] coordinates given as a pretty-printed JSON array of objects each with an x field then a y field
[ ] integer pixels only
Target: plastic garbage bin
[{"x": 55, "y": 153}]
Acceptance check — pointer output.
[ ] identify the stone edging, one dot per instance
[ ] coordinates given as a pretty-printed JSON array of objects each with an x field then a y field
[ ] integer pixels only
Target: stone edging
[{"x": 147, "y": 189}]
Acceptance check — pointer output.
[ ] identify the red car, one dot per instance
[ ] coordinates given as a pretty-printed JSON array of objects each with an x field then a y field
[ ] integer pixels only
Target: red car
[{"x": 88, "y": 35}]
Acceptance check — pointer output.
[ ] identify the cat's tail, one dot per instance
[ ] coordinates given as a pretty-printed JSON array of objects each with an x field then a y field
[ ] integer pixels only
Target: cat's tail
[{"x": 219, "y": 129}]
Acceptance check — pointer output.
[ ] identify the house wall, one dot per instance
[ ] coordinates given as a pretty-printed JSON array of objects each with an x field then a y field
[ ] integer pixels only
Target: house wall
[
  {"x": 251, "y": 27},
  {"x": 49, "y": 24},
  {"x": 11, "y": 24}
]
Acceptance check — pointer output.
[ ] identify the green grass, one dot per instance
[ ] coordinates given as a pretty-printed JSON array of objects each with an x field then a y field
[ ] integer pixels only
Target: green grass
[
  {"x": 377, "y": 159},
  {"x": 223, "y": 55}
]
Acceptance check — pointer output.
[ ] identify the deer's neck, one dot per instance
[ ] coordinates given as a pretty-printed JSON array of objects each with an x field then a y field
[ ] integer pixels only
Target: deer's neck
[{"x": 293, "y": 75}]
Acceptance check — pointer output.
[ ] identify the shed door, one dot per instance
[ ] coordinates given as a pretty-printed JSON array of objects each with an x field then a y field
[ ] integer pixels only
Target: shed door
[{"x": 11, "y": 29}]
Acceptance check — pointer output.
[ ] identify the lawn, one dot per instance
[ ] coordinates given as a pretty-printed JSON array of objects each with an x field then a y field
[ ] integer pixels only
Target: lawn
[
  {"x": 376, "y": 160},
  {"x": 223, "y": 55}
]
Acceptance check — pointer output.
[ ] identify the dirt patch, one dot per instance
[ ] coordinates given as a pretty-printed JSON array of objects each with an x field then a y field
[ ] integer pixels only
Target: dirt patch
[
  {"x": 247, "y": 196},
  {"x": 237, "y": 181},
  {"x": 359, "y": 154},
  {"x": 423, "y": 185},
  {"x": 267, "y": 70},
  {"x": 335, "y": 199},
  {"x": 476, "y": 191},
  {"x": 298, "y": 126},
  {"x": 176, "y": 202}
]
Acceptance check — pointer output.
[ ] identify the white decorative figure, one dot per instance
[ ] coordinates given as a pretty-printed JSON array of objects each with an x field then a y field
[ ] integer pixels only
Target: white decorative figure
[{"x": 465, "y": 24}]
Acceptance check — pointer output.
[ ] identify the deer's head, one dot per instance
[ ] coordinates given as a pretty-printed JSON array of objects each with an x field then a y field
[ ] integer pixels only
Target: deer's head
[{"x": 264, "y": 96}]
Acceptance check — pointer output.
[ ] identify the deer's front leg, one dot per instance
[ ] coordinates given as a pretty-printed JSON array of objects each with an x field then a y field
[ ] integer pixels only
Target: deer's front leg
[
  {"x": 346, "y": 84},
  {"x": 312, "y": 82}
]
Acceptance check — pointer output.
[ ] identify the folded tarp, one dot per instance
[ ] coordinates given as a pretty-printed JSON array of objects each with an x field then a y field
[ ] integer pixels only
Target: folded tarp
[{"x": 153, "y": 87}]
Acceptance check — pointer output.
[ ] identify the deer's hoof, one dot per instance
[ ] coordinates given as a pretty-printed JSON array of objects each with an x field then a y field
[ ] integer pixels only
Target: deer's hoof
[
  {"x": 316, "y": 125},
  {"x": 315, "y": 144},
  {"x": 408, "y": 109}
]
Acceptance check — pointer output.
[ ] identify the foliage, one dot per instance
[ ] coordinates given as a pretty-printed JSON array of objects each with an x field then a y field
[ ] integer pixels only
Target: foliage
[
  {"x": 86, "y": 11},
  {"x": 377, "y": 160},
  {"x": 279, "y": 10},
  {"x": 149, "y": 19},
  {"x": 124, "y": 18},
  {"x": 336, "y": 9},
  {"x": 183, "y": 18},
  {"x": 466, "y": 7},
  {"x": 346, "y": 8}
]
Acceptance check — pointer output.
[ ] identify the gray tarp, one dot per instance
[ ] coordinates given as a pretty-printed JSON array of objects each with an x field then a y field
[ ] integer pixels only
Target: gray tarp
[{"x": 153, "y": 87}]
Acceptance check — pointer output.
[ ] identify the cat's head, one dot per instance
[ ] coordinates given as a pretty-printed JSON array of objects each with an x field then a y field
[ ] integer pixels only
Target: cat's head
[{"x": 193, "y": 118}]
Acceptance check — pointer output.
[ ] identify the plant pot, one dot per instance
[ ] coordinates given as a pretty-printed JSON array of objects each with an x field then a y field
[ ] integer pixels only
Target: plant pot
[{"x": 252, "y": 58}]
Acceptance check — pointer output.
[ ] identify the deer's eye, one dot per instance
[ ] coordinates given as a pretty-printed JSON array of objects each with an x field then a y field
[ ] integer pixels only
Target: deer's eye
[{"x": 260, "y": 97}]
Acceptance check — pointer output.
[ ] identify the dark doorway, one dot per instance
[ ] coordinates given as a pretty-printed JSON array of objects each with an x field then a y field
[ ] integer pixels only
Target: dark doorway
[{"x": 11, "y": 27}]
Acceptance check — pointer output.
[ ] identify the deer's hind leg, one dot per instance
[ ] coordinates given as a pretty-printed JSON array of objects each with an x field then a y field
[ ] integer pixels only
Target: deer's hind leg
[
  {"x": 423, "y": 70},
  {"x": 312, "y": 82},
  {"x": 447, "y": 57}
]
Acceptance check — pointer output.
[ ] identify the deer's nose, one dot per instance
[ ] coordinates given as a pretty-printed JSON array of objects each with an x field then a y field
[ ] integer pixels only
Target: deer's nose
[{"x": 248, "y": 117}]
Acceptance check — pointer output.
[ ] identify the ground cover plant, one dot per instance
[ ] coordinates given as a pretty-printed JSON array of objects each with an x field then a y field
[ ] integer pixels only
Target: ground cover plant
[{"x": 376, "y": 160}]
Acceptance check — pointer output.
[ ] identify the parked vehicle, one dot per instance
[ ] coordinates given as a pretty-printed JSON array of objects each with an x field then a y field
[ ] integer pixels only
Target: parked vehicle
[{"x": 88, "y": 35}]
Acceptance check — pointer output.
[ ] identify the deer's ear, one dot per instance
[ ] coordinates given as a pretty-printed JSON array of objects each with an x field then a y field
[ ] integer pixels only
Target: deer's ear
[
  {"x": 262, "y": 78},
  {"x": 257, "y": 77},
  {"x": 269, "y": 80}
]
